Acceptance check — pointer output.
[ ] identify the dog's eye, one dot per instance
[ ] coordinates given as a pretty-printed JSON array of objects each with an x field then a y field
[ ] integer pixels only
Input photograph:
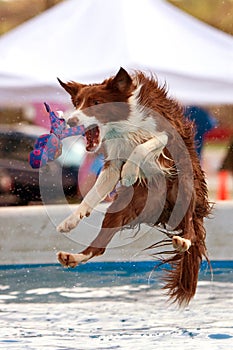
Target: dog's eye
[{"x": 96, "y": 102}]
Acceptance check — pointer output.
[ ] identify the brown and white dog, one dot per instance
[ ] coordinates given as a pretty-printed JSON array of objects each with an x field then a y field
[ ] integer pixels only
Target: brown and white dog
[{"x": 150, "y": 153}]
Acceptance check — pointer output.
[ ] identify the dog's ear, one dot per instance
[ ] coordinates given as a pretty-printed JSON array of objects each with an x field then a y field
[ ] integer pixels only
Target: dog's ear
[
  {"x": 71, "y": 87},
  {"x": 122, "y": 81}
]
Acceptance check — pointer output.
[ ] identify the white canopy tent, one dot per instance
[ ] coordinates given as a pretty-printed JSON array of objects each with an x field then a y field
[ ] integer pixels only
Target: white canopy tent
[{"x": 87, "y": 41}]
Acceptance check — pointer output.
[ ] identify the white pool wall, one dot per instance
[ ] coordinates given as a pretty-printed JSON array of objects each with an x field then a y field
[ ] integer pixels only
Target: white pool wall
[{"x": 28, "y": 235}]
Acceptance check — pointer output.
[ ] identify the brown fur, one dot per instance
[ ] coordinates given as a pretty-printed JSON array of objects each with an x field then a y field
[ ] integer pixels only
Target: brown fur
[{"x": 147, "y": 204}]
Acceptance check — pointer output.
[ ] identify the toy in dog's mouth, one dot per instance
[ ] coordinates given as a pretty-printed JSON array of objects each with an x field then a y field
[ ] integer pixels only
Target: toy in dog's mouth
[{"x": 92, "y": 134}]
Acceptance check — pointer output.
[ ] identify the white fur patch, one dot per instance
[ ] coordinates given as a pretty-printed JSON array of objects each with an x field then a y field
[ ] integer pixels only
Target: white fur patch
[
  {"x": 122, "y": 137},
  {"x": 84, "y": 119},
  {"x": 139, "y": 115}
]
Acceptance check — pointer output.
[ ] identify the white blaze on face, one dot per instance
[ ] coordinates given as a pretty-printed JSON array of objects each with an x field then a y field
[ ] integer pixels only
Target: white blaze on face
[{"x": 83, "y": 119}]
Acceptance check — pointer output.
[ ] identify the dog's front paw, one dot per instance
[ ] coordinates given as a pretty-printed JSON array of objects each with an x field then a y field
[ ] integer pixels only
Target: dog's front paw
[
  {"x": 129, "y": 174},
  {"x": 181, "y": 244},
  {"x": 129, "y": 180},
  {"x": 72, "y": 221},
  {"x": 71, "y": 260},
  {"x": 68, "y": 224}
]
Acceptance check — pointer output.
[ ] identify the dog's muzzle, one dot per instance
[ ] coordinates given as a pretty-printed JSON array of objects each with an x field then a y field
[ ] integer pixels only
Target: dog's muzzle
[
  {"x": 73, "y": 121},
  {"x": 92, "y": 134}
]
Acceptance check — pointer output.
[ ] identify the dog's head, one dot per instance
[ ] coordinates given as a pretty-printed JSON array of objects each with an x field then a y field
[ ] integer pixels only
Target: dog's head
[{"x": 96, "y": 105}]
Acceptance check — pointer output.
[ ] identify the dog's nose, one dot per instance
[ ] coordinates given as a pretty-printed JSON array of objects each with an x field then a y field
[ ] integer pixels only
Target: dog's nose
[{"x": 73, "y": 121}]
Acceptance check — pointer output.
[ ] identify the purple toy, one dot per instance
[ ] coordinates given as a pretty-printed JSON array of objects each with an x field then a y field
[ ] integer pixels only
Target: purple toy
[{"x": 49, "y": 146}]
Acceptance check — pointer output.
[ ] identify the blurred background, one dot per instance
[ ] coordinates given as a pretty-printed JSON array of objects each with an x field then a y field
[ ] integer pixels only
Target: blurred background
[
  {"x": 19, "y": 125},
  {"x": 217, "y": 13}
]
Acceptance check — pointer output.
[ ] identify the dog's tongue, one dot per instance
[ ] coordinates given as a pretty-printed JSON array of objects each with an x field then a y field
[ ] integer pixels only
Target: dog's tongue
[{"x": 92, "y": 137}]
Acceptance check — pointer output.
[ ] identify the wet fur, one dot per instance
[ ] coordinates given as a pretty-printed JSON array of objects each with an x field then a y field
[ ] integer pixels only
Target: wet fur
[{"x": 133, "y": 97}]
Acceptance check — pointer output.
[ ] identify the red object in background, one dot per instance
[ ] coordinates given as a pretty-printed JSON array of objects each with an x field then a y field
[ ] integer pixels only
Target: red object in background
[
  {"x": 218, "y": 134},
  {"x": 222, "y": 191}
]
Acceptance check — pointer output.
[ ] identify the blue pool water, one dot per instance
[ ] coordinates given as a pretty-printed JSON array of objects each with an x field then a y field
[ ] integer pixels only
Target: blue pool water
[{"x": 111, "y": 306}]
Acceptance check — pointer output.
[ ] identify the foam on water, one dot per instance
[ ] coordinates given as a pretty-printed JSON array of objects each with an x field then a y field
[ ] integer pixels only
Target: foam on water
[{"x": 111, "y": 306}]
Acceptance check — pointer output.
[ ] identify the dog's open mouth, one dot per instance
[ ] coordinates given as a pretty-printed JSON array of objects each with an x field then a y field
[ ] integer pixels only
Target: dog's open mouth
[{"x": 92, "y": 134}]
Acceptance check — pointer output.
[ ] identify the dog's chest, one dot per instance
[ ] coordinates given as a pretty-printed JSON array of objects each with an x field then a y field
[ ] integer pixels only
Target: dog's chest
[{"x": 120, "y": 143}]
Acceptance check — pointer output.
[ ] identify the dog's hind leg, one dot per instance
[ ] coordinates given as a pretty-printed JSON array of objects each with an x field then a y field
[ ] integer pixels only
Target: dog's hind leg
[
  {"x": 124, "y": 211},
  {"x": 182, "y": 244},
  {"x": 190, "y": 249},
  {"x": 184, "y": 213}
]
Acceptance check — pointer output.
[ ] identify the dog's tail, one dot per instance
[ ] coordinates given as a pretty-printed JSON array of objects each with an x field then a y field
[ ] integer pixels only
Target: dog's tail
[{"x": 181, "y": 279}]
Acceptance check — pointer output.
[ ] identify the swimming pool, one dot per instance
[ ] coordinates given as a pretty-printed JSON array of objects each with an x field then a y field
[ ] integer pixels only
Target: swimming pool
[{"x": 111, "y": 305}]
